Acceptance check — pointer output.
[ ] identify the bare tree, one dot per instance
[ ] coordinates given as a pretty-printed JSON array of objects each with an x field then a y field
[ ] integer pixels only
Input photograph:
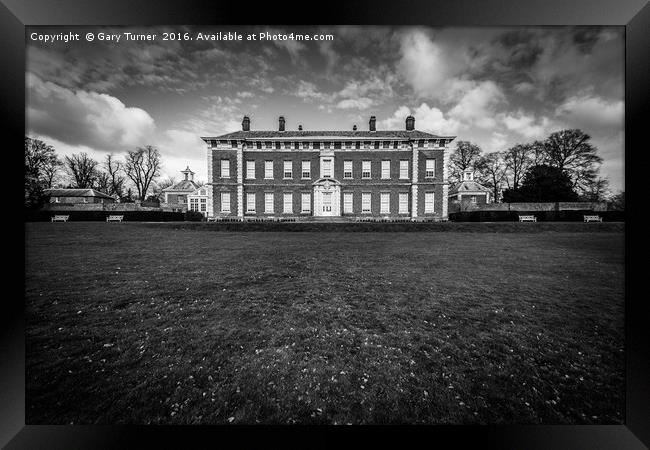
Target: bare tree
[
  {"x": 464, "y": 157},
  {"x": 537, "y": 155},
  {"x": 82, "y": 169},
  {"x": 142, "y": 166},
  {"x": 103, "y": 182},
  {"x": 114, "y": 169},
  {"x": 40, "y": 160},
  {"x": 517, "y": 159},
  {"x": 492, "y": 172},
  {"x": 596, "y": 190},
  {"x": 51, "y": 172},
  {"x": 571, "y": 152}
]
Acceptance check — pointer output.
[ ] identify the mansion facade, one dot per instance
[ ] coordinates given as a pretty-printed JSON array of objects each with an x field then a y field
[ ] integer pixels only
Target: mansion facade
[{"x": 377, "y": 174}]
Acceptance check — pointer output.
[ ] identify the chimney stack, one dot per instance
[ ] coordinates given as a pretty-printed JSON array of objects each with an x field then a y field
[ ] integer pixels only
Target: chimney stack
[
  {"x": 299, "y": 127},
  {"x": 281, "y": 120},
  {"x": 373, "y": 120},
  {"x": 246, "y": 124},
  {"x": 354, "y": 128},
  {"x": 410, "y": 123}
]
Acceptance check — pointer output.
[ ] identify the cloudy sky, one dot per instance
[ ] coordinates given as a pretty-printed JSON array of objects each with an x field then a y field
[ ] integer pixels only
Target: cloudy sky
[{"x": 495, "y": 87}]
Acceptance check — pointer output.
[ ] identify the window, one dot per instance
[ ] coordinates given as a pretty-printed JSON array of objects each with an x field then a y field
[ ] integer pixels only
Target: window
[
  {"x": 249, "y": 145},
  {"x": 204, "y": 205},
  {"x": 287, "y": 145},
  {"x": 384, "y": 198},
  {"x": 194, "y": 204},
  {"x": 365, "y": 202},
  {"x": 225, "y": 168},
  {"x": 366, "y": 144},
  {"x": 288, "y": 169},
  {"x": 365, "y": 169},
  {"x": 202, "y": 192},
  {"x": 337, "y": 145},
  {"x": 250, "y": 202},
  {"x": 395, "y": 144},
  {"x": 385, "y": 169},
  {"x": 430, "y": 170},
  {"x": 268, "y": 202},
  {"x": 268, "y": 170},
  {"x": 296, "y": 145},
  {"x": 403, "y": 203},
  {"x": 306, "y": 169},
  {"x": 428, "y": 202},
  {"x": 327, "y": 168},
  {"x": 316, "y": 145},
  {"x": 376, "y": 144},
  {"x": 250, "y": 169},
  {"x": 404, "y": 169},
  {"x": 277, "y": 145},
  {"x": 473, "y": 198},
  {"x": 268, "y": 145},
  {"x": 421, "y": 143},
  {"x": 225, "y": 202},
  {"x": 326, "y": 144},
  {"x": 288, "y": 203},
  {"x": 357, "y": 144},
  {"x": 347, "y": 169},
  {"x": 327, "y": 201},
  {"x": 305, "y": 201},
  {"x": 386, "y": 144},
  {"x": 259, "y": 145},
  {"x": 441, "y": 143},
  {"x": 348, "y": 145},
  {"x": 233, "y": 144},
  {"x": 347, "y": 202}
]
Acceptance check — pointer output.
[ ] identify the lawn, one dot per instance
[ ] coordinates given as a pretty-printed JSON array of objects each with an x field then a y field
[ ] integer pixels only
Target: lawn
[{"x": 135, "y": 323}]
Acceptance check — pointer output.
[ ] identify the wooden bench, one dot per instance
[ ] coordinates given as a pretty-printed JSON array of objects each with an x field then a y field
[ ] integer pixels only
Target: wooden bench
[
  {"x": 527, "y": 219},
  {"x": 114, "y": 218},
  {"x": 593, "y": 219},
  {"x": 60, "y": 218}
]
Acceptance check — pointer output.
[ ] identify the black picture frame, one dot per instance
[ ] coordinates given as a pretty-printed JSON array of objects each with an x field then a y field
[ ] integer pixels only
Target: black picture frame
[{"x": 633, "y": 15}]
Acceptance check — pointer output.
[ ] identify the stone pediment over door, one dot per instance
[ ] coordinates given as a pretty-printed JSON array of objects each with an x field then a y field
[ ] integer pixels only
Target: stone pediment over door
[
  {"x": 326, "y": 182},
  {"x": 327, "y": 197}
]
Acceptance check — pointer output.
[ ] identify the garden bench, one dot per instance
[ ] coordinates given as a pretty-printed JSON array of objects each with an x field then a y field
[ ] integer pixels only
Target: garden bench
[
  {"x": 593, "y": 219},
  {"x": 114, "y": 218},
  {"x": 60, "y": 218},
  {"x": 527, "y": 219}
]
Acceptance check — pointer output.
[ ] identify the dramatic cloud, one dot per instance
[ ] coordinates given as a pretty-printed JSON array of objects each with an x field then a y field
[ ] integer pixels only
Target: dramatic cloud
[
  {"x": 526, "y": 125},
  {"x": 85, "y": 118},
  {"x": 591, "y": 113},
  {"x": 427, "y": 119}
]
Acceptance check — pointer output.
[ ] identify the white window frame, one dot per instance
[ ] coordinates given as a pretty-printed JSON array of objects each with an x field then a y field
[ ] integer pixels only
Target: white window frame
[
  {"x": 203, "y": 204},
  {"x": 385, "y": 169},
  {"x": 384, "y": 202},
  {"x": 429, "y": 202},
  {"x": 347, "y": 165},
  {"x": 289, "y": 196},
  {"x": 306, "y": 169},
  {"x": 430, "y": 168},
  {"x": 250, "y": 200},
  {"x": 225, "y": 168},
  {"x": 348, "y": 202},
  {"x": 305, "y": 202},
  {"x": 250, "y": 169},
  {"x": 225, "y": 201},
  {"x": 366, "y": 196},
  {"x": 268, "y": 170},
  {"x": 328, "y": 168},
  {"x": 269, "y": 202},
  {"x": 404, "y": 169},
  {"x": 366, "y": 168},
  {"x": 403, "y": 202},
  {"x": 287, "y": 167}
]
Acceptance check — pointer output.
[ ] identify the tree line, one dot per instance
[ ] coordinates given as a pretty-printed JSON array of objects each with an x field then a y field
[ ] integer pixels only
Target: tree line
[
  {"x": 128, "y": 179},
  {"x": 563, "y": 167}
]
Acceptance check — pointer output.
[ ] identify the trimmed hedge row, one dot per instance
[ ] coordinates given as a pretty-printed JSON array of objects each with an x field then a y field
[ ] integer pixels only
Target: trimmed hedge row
[
  {"x": 89, "y": 216},
  {"x": 542, "y": 216}
]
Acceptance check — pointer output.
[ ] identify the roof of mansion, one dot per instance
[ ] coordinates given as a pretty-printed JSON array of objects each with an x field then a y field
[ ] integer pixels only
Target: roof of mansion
[
  {"x": 468, "y": 186},
  {"x": 387, "y": 134}
]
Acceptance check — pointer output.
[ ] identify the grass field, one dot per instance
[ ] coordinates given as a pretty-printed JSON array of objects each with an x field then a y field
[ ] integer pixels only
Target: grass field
[{"x": 135, "y": 323}]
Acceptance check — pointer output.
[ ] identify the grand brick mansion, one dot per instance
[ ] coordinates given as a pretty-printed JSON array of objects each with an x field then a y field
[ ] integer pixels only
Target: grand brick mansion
[{"x": 297, "y": 173}]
